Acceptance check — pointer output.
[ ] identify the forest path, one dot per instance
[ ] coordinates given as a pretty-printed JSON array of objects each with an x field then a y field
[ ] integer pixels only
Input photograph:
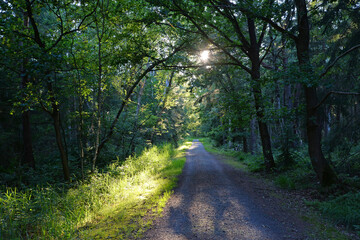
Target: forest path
[{"x": 214, "y": 201}]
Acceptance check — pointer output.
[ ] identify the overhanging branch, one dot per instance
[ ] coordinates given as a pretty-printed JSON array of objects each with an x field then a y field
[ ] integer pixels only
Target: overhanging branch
[
  {"x": 130, "y": 91},
  {"x": 334, "y": 92},
  {"x": 197, "y": 66},
  {"x": 338, "y": 58}
]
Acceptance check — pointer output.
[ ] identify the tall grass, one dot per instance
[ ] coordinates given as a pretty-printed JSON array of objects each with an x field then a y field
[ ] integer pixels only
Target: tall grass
[
  {"x": 237, "y": 159},
  {"x": 343, "y": 209},
  {"x": 49, "y": 213}
]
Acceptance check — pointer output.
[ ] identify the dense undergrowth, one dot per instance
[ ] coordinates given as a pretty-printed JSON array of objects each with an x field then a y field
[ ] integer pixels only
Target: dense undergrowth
[
  {"x": 122, "y": 195},
  {"x": 339, "y": 203}
]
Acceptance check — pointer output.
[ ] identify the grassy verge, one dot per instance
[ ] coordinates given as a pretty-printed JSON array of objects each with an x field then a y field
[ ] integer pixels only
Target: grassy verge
[
  {"x": 341, "y": 209},
  {"x": 237, "y": 159},
  {"x": 121, "y": 202}
]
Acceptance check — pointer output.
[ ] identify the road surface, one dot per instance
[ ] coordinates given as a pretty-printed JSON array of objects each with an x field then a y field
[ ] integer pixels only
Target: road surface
[{"x": 214, "y": 201}]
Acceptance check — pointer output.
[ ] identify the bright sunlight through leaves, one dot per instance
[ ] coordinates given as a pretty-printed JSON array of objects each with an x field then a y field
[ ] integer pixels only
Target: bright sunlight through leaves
[{"x": 204, "y": 55}]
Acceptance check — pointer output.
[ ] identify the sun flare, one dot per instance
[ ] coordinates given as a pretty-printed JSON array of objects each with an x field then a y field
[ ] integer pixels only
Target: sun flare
[{"x": 204, "y": 55}]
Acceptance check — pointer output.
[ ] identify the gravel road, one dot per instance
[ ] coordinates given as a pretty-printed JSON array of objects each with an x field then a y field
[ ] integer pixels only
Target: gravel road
[{"x": 214, "y": 201}]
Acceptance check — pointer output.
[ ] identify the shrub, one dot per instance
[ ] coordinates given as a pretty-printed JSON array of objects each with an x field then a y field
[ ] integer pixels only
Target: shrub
[{"x": 285, "y": 182}]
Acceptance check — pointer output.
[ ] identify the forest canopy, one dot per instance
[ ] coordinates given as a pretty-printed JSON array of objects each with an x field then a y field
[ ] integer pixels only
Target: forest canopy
[
  {"x": 89, "y": 88},
  {"x": 86, "y": 82}
]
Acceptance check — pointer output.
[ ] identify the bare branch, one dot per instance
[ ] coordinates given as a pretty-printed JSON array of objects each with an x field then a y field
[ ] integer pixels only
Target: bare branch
[
  {"x": 267, "y": 51},
  {"x": 334, "y": 92},
  {"x": 44, "y": 108},
  {"x": 229, "y": 15},
  {"x": 37, "y": 37},
  {"x": 196, "y": 66},
  {"x": 262, "y": 34},
  {"x": 63, "y": 34},
  {"x": 338, "y": 58},
  {"x": 266, "y": 66}
]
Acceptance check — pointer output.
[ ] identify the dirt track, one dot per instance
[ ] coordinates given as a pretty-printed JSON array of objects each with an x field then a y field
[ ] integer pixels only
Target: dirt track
[{"x": 214, "y": 201}]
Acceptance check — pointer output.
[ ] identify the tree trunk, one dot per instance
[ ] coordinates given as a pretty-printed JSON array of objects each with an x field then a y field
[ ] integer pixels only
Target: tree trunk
[
  {"x": 98, "y": 112},
  {"x": 230, "y": 131},
  {"x": 324, "y": 172},
  {"x": 80, "y": 138},
  {"x": 28, "y": 155},
  {"x": 252, "y": 145},
  {"x": 245, "y": 145},
  {"x": 142, "y": 87},
  {"x": 296, "y": 102},
  {"x": 167, "y": 90},
  {"x": 63, "y": 154},
  {"x": 80, "y": 124},
  {"x": 327, "y": 121},
  {"x": 55, "y": 114},
  {"x": 254, "y": 53}
]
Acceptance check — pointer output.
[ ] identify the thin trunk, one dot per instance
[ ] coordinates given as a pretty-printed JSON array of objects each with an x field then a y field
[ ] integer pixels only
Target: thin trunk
[
  {"x": 166, "y": 95},
  {"x": 254, "y": 52},
  {"x": 141, "y": 92},
  {"x": 81, "y": 120},
  {"x": 55, "y": 114},
  {"x": 245, "y": 145},
  {"x": 100, "y": 30},
  {"x": 324, "y": 172},
  {"x": 136, "y": 125},
  {"x": 81, "y": 144},
  {"x": 327, "y": 120},
  {"x": 57, "y": 126},
  {"x": 129, "y": 93},
  {"x": 252, "y": 145},
  {"x": 28, "y": 155},
  {"x": 289, "y": 124},
  {"x": 296, "y": 103},
  {"x": 98, "y": 112},
  {"x": 80, "y": 126},
  {"x": 230, "y": 142}
]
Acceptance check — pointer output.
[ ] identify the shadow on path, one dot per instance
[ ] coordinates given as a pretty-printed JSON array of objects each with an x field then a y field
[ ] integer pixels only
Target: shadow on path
[{"x": 210, "y": 204}]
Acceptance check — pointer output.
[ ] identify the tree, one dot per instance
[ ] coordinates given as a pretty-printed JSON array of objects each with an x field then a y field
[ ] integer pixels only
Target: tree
[
  {"x": 324, "y": 172},
  {"x": 37, "y": 74},
  {"x": 234, "y": 45}
]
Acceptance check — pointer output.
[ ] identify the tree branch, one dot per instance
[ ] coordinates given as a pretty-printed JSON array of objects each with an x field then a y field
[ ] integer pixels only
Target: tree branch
[
  {"x": 197, "y": 66},
  {"x": 267, "y": 51},
  {"x": 185, "y": 14},
  {"x": 229, "y": 15},
  {"x": 262, "y": 34},
  {"x": 338, "y": 58},
  {"x": 78, "y": 28},
  {"x": 130, "y": 91},
  {"x": 334, "y": 92},
  {"x": 37, "y": 37}
]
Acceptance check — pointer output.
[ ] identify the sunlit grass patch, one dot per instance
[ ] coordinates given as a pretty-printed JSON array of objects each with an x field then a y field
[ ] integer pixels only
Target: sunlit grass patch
[
  {"x": 236, "y": 159},
  {"x": 144, "y": 201},
  {"x": 120, "y": 202}
]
